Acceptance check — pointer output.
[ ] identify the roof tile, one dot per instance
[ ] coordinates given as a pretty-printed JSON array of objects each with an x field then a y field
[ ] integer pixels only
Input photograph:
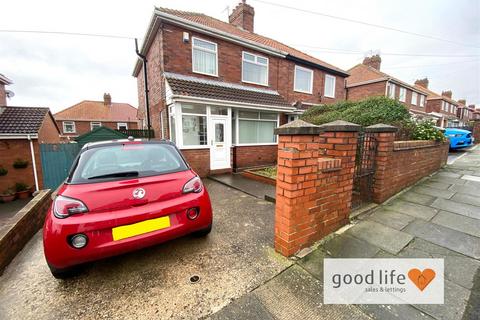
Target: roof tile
[
  {"x": 21, "y": 120},
  {"x": 97, "y": 110}
]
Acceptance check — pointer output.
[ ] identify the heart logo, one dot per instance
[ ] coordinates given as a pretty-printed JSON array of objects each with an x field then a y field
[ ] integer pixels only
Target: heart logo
[{"x": 421, "y": 278}]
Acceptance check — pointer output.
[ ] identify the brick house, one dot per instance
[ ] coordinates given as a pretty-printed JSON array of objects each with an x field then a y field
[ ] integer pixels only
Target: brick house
[
  {"x": 22, "y": 129},
  {"x": 464, "y": 112},
  {"x": 4, "y": 93},
  {"x": 442, "y": 104},
  {"x": 88, "y": 115},
  {"x": 366, "y": 80},
  {"x": 218, "y": 90}
]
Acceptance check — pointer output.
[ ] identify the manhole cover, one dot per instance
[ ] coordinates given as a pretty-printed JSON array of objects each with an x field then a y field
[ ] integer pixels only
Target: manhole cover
[{"x": 194, "y": 279}]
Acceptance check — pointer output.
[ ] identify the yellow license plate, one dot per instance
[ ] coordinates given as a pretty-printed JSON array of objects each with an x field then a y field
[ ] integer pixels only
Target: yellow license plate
[{"x": 136, "y": 229}]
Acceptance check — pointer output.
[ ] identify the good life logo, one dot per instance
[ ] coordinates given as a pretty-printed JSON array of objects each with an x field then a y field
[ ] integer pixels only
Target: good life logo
[{"x": 379, "y": 281}]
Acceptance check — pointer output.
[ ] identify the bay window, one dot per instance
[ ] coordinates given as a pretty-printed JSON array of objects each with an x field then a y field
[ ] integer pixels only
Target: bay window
[
  {"x": 329, "y": 90},
  {"x": 414, "y": 98},
  {"x": 194, "y": 125},
  {"x": 303, "y": 80},
  {"x": 204, "y": 57},
  {"x": 254, "y": 69}
]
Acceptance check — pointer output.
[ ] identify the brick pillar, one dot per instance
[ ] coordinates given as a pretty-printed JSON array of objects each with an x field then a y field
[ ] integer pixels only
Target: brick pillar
[
  {"x": 313, "y": 192},
  {"x": 385, "y": 137},
  {"x": 476, "y": 130}
]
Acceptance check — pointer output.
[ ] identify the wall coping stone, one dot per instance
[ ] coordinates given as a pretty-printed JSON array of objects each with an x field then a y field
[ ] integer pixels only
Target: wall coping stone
[
  {"x": 297, "y": 127},
  {"x": 415, "y": 144},
  {"x": 340, "y": 125},
  {"x": 380, "y": 127}
]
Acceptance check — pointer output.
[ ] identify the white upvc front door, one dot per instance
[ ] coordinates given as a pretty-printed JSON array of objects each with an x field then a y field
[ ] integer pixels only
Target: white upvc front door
[{"x": 219, "y": 143}]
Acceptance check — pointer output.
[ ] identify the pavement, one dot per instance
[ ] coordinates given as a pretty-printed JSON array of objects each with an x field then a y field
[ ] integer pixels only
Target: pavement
[
  {"x": 154, "y": 283},
  {"x": 252, "y": 187},
  {"x": 437, "y": 218}
]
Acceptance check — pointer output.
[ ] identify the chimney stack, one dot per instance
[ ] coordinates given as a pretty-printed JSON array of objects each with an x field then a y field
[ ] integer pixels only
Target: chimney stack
[
  {"x": 242, "y": 16},
  {"x": 373, "y": 61},
  {"x": 107, "y": 99},
  {"x": 422, "y": 83},
  {"x": 463, "y": 102},
  {"x": 447, "y": 93}
]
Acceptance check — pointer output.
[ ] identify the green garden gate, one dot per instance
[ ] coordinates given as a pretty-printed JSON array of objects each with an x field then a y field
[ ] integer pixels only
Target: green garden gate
[{"x": 56, "y": 162}]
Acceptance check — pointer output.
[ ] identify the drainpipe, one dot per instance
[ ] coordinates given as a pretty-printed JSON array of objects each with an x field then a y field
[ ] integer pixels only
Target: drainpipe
[
  {"x": 147, "y": 105},
  {"x": 34, "y": 163}
]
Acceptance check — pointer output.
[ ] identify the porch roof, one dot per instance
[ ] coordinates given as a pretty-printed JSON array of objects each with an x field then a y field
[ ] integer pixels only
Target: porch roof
[{"x": 189, "y": 86}]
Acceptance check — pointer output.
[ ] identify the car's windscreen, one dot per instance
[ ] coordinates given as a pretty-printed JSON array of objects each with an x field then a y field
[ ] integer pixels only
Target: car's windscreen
[{"x": 123, "y": 161}]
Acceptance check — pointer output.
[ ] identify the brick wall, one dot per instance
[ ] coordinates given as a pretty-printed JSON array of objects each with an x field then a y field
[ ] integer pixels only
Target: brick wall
[
  {"x": 12, "y": 149},
  {"x": 83, "y": 127},
  {"x": 399, "y": 164},
  {"x": 254, "y": 156},
  {"x": 476, "y": 131},
  {"x": 366, "y": 90},
  {"x": 199, "y": 160},
  {"x": 20, "y": 229},
  {"x": 48, "y": 132}
]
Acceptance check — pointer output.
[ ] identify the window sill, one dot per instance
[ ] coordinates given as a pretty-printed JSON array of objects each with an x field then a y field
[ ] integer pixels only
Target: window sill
[
  {"x": 194, "y": 147},
  {"x": 331, "y": 97},
  {"x": 206, "y": 74},
  {"x": 306, "y": 92},
  {"x": 255, "y": 83},
  {"x": 255, "y": 144}
]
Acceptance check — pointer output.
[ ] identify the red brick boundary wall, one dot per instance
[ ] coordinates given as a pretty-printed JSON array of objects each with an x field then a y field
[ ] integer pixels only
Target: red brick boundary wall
[
  {"x": 476, "y": 131},
  {"x": 400, "y": 164},
  {"x": 21, "y": 227},
  {"x": 314, "y": 182}
]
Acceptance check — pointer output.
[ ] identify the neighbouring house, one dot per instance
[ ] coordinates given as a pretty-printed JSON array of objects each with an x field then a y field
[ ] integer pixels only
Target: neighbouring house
[
  {"x": 22, "y": 129},
  {"x": 87, "y": 115},
  {"x": 464, "y": 112},
  {"x": 218, "y": 89},
  {"x": 366, "y": 80},
  {"x": 4, "y": 93},
  {"x": 442, "y": 104}
]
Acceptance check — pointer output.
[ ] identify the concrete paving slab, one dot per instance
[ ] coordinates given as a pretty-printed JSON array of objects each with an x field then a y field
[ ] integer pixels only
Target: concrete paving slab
[
  {"x": 412, "y": 209},
  {"x": 246, "y": 307},
  {"x": 448, "y": 174},
  {"x": 466, "y": 198},
  {"x": 394, "y": 312},
  {"x": 418, "y": 198},
  {"x": 473, "y": 184},
  {"x": 436, "y": 185},
  {"x": 313, "y": 263},
  {"x": 377, "y": 234},
  {"x": 446, "y": 180},
  {"x": 457, "y": 207},
  {"x": 458, "y": 222},
  {"x": 393, "y": 219},
  {"x": 249, "y": 186},
  {"x": 437, "y": 193},
  {"x": 471, "y": 178},
  {"x": 295, "y": 294},
  {"x": 456, "y": 298},
  {"x": 472, "y": 310},
  {"x": 458, "y": 268},
  {"x": 344, "y": 246},
  {"x": 445, "y": 237},
  {"x": 465, "y": 189}
]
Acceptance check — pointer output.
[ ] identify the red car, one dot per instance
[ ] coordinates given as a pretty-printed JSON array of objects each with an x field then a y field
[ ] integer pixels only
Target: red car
[{"x": 122, "y": 196}]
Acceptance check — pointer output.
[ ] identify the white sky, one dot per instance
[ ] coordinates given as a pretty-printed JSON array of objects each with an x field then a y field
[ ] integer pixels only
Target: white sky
[{"x": 59, "y": 71}]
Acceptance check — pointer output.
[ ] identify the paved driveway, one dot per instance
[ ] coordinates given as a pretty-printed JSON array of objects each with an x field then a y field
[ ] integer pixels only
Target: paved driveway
[{"x": 154, "y": 283}]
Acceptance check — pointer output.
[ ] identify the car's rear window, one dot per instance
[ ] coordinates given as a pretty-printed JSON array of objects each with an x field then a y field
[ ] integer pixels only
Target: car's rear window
[{"x": 126, "y": 161}]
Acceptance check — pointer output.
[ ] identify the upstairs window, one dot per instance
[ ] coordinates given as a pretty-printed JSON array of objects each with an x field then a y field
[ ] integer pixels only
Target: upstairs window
[
  {"x": 69, "y": 127},
  {"x": 422, "y": 101},
  {"x": 391, "y": 91},
  {"x": 414, "y": 98},
  {"x": 254, "y": 69},
  {"x": 402, "y": 96},
  {"x": 329, "y": 90},
  {"x": 204, "y": 57},
  {"x": 303, "y": 80}
]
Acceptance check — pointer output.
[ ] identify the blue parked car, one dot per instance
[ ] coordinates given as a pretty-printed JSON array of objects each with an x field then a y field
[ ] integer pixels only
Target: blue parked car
[{"x": 459, "y": 138}]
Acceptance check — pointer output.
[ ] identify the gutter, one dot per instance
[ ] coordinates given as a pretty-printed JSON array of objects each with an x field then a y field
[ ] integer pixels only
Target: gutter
[{"x": 17, "y": 136}]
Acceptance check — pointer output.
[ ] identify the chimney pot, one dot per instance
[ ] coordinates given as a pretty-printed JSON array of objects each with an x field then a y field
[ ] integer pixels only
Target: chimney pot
[
  {"x": 422, "y": 83},
  {"x": 242, "y": 16},
  {"x": 373, "y": 61},
  {"x": 447, "y": 93},
  {"x": 107, "y": 99}
]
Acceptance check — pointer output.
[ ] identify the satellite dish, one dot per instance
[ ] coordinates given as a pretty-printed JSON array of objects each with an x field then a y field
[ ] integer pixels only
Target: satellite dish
[{"x": 10, "y": 94}]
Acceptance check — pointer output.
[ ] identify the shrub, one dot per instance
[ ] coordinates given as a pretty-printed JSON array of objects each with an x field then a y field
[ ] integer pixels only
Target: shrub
[
  {"x": 8, "y": 192},
  {"x": 20, "y": 186},
  {"x": 3, "y": 171},
  {"x": 425, "y": 130},
  {"x": 365, "y": 112},
  {"x": 20, "y": 164}
]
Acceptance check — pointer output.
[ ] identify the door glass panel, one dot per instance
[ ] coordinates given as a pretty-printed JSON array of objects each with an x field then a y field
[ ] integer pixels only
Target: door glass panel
[{"x": 219, "y": 132}]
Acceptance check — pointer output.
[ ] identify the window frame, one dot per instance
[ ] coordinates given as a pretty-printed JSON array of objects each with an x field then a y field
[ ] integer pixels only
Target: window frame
[
  {"x": 422, "y": 100},
  {"x": 206, "y": 50},
  {"x": 400, "y": 90},
  {"x": 121, "y": 123},
  {"x": 70, "y": 122},
  {"x": 295, "y": 79},
  {"x": 325, "y": 85},
  {"x": 237, "y": 119},
  {"x": 256, "y": 63},
  {"x": 95, "y": 122},
  {"x": 389, "y": 91},
  {"x": 412, "y": 102}
]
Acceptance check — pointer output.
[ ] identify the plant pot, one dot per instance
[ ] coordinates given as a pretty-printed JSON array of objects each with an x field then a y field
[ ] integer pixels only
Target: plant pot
[
  {"x": 23, "y": 194},
  {"x": 7, "y": 198}
]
